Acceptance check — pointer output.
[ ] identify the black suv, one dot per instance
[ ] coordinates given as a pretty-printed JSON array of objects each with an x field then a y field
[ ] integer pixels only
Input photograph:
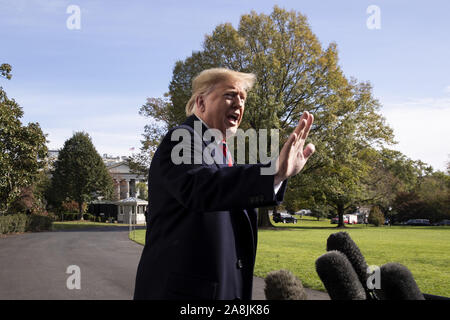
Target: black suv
[{"x": 284, "y": 217}]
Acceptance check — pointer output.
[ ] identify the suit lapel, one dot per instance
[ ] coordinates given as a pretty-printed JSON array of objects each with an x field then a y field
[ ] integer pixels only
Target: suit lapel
[
  {"x": 245, "y": 216},
  {"x": 194, "y": 123}
]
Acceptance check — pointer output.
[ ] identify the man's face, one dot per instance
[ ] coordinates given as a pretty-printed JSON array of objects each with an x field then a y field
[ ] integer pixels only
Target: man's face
[{"x": 223, "y": 108}]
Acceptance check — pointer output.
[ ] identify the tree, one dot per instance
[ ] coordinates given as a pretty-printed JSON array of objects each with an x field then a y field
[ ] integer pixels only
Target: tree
[
  {"x": 80, "y": 174},
  {"x": 429, "y": 199},
  {"x": 293, "y": 74},
  {"x": 434, "y": 191},
  {"x": 320, "y": 211},
  {"x": 408, "y": 205},
  {"x": 376, "y": 217},
  {"x": 391, "y": 173},
  {"x": 5, "y": 71},
  {"x": 143, "y": 190},
  {"x": 21, "y": 148}
]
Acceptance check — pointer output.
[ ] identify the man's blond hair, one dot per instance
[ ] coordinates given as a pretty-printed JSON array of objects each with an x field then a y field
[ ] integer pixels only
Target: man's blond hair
[{"x": 205, "y": 81}]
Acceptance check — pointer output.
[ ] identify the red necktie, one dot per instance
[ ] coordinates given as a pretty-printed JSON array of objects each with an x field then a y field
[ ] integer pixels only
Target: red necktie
[{"x": 226, "y": 154}]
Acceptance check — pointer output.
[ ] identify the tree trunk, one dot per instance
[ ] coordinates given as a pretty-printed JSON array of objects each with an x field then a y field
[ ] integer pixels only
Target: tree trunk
[
  {"x": 341, "y": 216},
  {"x": 80, "y": 210},
  {"x": 263, "y": 218}
]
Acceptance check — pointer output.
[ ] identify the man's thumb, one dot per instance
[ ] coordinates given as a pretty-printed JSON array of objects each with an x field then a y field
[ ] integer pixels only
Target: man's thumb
[{"x": 309, "y": 150}]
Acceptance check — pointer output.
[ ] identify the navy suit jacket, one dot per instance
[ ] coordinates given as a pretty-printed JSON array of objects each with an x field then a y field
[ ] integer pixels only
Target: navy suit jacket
[{"x": 202, "y": 226}]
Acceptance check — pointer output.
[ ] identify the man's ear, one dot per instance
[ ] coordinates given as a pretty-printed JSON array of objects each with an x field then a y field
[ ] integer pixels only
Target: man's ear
[{"x": 200, "y": 103}]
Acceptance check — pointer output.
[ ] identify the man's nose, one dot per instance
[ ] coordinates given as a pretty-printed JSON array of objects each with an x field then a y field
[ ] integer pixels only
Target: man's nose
[{"x": 238, "y": 102}]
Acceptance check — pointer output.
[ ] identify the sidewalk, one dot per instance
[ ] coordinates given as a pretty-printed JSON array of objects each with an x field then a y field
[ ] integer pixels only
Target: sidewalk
[{"x": 258, "y": 291}]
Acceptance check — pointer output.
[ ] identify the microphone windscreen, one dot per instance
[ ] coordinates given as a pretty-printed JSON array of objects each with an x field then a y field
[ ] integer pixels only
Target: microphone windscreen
[
  {"x": 283, "y": 285},
  {"x": 342, "y": 242},
  {"x": 397, "y": 283},
  {"x": 339, "y": 277}
]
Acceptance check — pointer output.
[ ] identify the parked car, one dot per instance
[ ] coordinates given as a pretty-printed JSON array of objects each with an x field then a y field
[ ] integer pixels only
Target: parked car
[
  {"x": 335, "y": 220},
  {"x": 284, "y": 217},
  {"x": 304, "y": 212},
  {"x": 445, "y": 222},
  {"x": 418, "y": 222}
]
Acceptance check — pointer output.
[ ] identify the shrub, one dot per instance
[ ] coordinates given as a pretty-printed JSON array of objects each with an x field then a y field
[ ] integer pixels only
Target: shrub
[
  {"x": 13, "y": 223},
  {"x": 22, "y": 223},
  {"x": 5, "y": 224},
  {"x": 88, "y": 216},
  {"x": 39, "y": 223},
  {"x": 72, "y": 206},
  {"x": 70, "y": 216},
  {"x": 376, "y": 217}
]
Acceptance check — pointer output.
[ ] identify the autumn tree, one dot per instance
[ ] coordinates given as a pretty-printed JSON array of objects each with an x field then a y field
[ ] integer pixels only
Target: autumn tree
[
  {"x": 294, "y": 73},
  {"x": 79, "y": 173}
]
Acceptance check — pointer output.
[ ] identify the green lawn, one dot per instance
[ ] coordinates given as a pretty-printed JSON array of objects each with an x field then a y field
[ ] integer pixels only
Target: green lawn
[
  {"x": 424, "y": 250},
  {"x": 66, "y": 225}
]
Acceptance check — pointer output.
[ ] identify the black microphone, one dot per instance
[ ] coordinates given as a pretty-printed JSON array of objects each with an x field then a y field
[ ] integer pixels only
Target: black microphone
[
  {"x": 283, "y": 285},
  {"x": 342, "y": 242},
  {"x": 397, "y": 283},
  {"x": 339, "y": 277}
]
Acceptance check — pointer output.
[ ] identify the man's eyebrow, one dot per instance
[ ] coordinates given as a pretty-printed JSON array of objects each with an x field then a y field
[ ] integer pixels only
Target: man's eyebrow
[{"x": 236, "y": 91}]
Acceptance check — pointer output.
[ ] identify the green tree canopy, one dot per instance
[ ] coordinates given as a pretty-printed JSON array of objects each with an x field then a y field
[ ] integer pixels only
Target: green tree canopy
[
  {"x": 21, "y": 148},
  {"x": 80, "y": 173}
]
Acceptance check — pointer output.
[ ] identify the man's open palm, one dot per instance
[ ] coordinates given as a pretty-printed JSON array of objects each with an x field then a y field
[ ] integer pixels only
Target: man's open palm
[{"x": 294, "y": 155}]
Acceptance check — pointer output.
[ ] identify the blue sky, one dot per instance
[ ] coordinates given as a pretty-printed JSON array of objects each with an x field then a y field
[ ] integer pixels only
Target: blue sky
[{"x": 96, "y": 78}]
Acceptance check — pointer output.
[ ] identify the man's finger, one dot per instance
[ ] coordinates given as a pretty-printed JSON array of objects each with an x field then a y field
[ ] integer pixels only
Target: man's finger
[
  {"x": 307, "y": 127},
  {"x": 309, "y": 150},
  {"x": 301, "y": 123},
  {"x": 290, "y": 142},
  {"x": 300, "y": 134}
]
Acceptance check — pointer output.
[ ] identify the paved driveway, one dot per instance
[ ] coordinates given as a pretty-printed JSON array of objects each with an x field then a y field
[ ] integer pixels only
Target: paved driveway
[{"x": 33, "y": 265}]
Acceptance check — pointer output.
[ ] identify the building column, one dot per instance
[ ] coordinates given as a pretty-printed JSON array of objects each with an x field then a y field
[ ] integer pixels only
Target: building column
[
  {"x": 124, "y": 189},
  {"x": 116, "y": 195},
  {"x": 128, "y": 188},
  {"x": 132, "y": 187}
]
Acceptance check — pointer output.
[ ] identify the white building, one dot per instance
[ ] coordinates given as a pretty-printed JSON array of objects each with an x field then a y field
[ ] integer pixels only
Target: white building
[
  {"x": 129, "y": 207},
  {"x": 131, "y": 210},
  {"x": 125, "y": 181}
]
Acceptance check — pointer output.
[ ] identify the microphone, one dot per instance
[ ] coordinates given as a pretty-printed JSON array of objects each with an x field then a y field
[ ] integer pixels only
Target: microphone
[
  {"x": 283, "y": 285},
  {"x": 397, "y": 283},
  {"x": 342, "y": 242},
  {"x": 339, "y": 277}
]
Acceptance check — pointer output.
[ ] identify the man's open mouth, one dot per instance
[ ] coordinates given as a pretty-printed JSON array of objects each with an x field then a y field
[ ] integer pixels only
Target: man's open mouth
[{"x": 233, "y": 118}]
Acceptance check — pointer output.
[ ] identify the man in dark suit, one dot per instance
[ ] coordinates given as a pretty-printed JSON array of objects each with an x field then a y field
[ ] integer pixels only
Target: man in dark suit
[{"x": 202, "y": 227}]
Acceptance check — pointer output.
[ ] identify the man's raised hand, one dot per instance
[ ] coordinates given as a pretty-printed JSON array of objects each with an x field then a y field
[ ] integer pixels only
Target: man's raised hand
[{"x": 294, "y": 155}]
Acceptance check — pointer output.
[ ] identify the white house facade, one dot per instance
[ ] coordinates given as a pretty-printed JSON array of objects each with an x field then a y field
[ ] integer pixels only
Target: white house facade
[{"x": 129, "y": 206}]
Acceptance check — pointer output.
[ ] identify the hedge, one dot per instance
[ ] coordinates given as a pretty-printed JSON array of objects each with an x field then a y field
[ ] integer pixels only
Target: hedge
[
  {"x": 73, "y": 216},
  {"x": 23, "y": 223}
]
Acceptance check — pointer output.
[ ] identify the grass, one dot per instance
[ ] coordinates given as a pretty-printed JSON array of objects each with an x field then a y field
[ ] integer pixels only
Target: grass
[
  {"x": 138, "y": 236},
  {"x": 77, "y": 224},
  {"x": 424, "y": 250}
]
